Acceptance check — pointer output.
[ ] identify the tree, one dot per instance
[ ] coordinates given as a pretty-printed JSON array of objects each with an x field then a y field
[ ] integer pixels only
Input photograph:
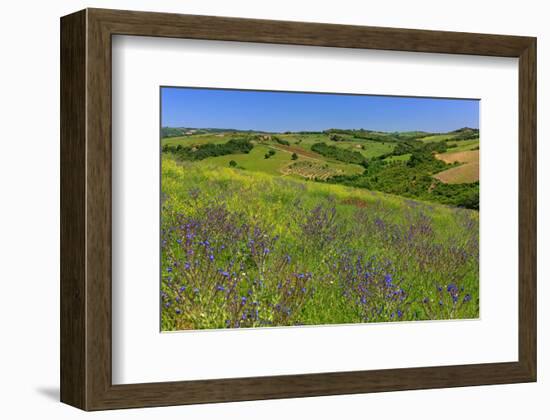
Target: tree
[
  {"x": 232, "y": 163},
  {"x": 294, "y": 156}
]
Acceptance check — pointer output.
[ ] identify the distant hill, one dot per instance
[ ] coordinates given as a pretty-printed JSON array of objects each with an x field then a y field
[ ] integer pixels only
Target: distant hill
[
  {"x": 166, "y": 132},
  {"x": 464, "y": 133},
  {"x": 466, "y": 130},
  {"x": 412, "y": 164}
]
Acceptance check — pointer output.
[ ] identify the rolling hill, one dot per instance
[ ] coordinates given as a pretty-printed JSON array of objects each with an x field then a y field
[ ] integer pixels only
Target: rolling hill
[{"x": 414, "y": 164}]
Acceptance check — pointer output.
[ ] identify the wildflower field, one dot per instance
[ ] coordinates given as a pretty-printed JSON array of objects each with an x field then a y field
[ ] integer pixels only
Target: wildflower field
[{"x": 244, "y": 248}]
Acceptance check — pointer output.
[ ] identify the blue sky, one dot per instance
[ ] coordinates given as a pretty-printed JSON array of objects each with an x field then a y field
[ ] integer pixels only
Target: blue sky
[{"x": 284, "y": 111}]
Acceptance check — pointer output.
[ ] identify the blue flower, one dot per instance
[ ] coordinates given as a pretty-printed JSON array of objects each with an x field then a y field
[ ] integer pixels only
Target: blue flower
[
  {"x": 399, "y": 313},
  {"x": 220, "y": 288},
  {"x": 182, "y": 288},
  {"x": 388, "y": 280},
  {"x": 467, "y": 298},
  {"x": 178, "y": 311},
  {"x": 211, "y": 257},
  {"x": 243, "y": 300},
  {"x": 169, "y": 269},
  {"x": 187, "y": 265}
]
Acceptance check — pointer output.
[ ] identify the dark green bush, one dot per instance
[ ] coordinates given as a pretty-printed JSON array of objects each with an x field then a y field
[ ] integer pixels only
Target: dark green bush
[
  {"x": 209, "y": 150},
  {"x": 343, "y": 155}
]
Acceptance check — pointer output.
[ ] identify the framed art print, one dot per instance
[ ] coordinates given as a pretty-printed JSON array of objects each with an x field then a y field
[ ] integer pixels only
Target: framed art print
[
  {"x": 240, "y": 249},
  {"x": 262, "y": 209}
]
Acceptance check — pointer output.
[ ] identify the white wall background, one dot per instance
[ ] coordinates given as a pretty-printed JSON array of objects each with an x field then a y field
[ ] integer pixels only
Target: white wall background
[{"x": 29, "y": 212}]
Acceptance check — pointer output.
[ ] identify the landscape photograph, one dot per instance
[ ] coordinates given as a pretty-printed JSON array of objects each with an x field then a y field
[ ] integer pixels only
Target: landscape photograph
[{"x": 289, "y": 209}]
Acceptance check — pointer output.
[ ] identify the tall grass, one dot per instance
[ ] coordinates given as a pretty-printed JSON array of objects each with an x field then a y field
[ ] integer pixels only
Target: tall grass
[{"x": 245, "y": 249}]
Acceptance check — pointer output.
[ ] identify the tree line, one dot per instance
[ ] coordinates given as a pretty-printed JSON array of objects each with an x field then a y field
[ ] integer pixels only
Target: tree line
[{"x": 209, "y": 150}]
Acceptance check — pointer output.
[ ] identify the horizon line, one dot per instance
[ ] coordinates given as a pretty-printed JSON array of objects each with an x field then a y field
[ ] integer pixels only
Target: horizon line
[{"x": 317, "y": 131}]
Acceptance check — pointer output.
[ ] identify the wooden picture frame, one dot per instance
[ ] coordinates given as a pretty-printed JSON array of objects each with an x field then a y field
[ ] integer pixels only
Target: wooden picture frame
[{"x": 86, "y": 223}]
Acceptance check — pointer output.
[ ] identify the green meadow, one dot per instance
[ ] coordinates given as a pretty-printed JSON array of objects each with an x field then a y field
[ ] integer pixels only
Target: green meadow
[{"x": 269, "y": 229}]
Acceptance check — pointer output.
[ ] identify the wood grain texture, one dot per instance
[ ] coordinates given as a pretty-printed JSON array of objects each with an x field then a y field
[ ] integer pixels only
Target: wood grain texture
[
  {"x": 98, "y": 209},
  {"x": 528, "y": 209},
  {"x": 73, "y": 213},
  {"x": 306, "y": 33},
  {"x": 86, "y": 209}
]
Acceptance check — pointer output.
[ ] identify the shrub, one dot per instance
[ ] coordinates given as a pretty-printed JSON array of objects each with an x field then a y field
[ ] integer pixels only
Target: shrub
[
  {"x": 281, "y": 141},
  {"x": 209, "y": 150},
  {"x": 340, "y": 154},
  {"x": 269, "y": 154}
]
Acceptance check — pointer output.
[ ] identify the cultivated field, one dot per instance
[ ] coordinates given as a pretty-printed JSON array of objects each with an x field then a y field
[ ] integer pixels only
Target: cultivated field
[
  {"x": 470, "y": 156},
  {"x": 467, "y": 171}
]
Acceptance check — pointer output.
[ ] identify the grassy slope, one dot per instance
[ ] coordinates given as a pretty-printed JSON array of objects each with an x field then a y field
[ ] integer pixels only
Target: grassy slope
[
  {"x": 302, "y": 141},
  {"x": 255, "y": 161},
  {"x": 301, "y": 144},
  {"x": 438, "y": 137},
  {"x": 363, "y": 217},
  {"x": 400, "y": 158},
  {"x": 197, "y": 139},
  {"x": 463, "y": 145},
  {"x": 371, "y": 148}
]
